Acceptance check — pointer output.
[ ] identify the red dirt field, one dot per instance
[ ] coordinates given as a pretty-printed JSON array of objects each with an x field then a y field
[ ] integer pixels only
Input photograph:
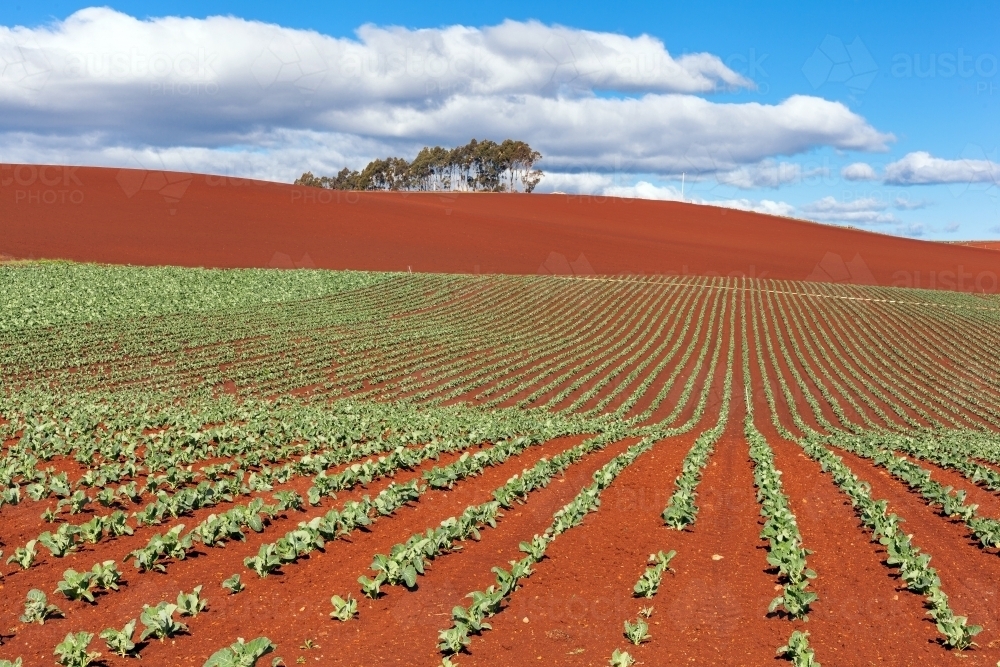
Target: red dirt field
[
  {"x": 987, "y": 245},
  {"x": 153, "y": 218}
]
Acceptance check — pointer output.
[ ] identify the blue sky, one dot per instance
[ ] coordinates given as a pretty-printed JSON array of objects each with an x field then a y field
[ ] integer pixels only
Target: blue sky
[{"x": 916, "y": 88}]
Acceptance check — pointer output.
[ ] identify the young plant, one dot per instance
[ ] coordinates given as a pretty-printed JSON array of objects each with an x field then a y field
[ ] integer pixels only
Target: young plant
[
  {"x": 107, "y": 496},
  {"x": 242, "y": 653},
  {"x": 371, "y": 587},
  {"x": 106, "y": 575},
  {"x": 454, "y": 639},
  {"x": 621, "y": 659},
  {"x": 25, "y": 556},
  {"x": 265, "y": 562},
  {"x": 62, "y": 541},
  {"x": 92, "y": 531},
  {"x": 37, "y": 608},
  {"x": 535, "y": 548},
  {"x": 77, "y": 502},
  {"x": 7, "y": 663},
  {"x": 120, "y": 641},
  {"x": 649, "y": 582},
  {"x": 957, "y": 633},
  {"x": 77, "y": 585},
  {"x": 637, "y": 632},
  {"x": 797, "y": 650},
  {"x": 288, "y": 500},
  {"x": 72, "y": 652},
  {"x": 159, "y": 622},
  {"x": 344, "y": 610},
  {"x": 191, "y": 604},
  {"x": 116, "y": 524},
  {"x": 233, "y": 584}
]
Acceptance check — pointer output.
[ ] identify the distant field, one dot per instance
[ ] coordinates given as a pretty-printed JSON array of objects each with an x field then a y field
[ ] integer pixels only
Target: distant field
[
  {"x": 499, "y": 469},
  {"x": 216, "y": 221},
  {"x": 52, "y": 292}
]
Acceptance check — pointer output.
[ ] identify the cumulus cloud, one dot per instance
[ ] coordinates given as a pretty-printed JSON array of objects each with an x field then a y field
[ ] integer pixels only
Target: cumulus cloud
[
  {"x": 223, "y": 90},
  {"x": 866, "y": 211},
  {"x": 660, "y": 133},
  {"x": 101, "y": 63},
  {"x": 278, "y": 155},
  {"x": 914, "y": 229},
  {"x": 922, "y": 168},
  {"x": 762, "y": 206},
  {"x": 859, "y": 171},
  {"x": 646, "y": 190},
  {"x": 583, "y": 183},
  {"x": 904, "y": 204},
  {"x": 767, "y": 174}
]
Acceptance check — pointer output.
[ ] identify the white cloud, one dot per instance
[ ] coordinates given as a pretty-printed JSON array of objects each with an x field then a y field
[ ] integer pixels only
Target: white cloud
[
  {"x": 915, "y": 229},
  {"x": 646, "y": 190},
  {"x": 228, "y": 92},
  {"x": 762, "y": 206},
  {"x": 657, "y": 133},
  {"x": 98, "y": 57},
  {"x": 279, "y": 155},
  {"x": 833, "y": 205},
  {"x": 952, "y": 227},
  {"x": 921, "y": 168},
  {"x": 767, "y": 174},
  {"x": 866, "y": 211},
  {"x": 904, "y": 204},
  {"x": 859, "y": 171},
  {"x": 585, "y": 182}
]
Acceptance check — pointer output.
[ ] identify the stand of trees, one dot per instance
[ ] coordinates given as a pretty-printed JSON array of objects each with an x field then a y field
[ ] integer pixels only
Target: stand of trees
[{"x": 479, "y": 166}]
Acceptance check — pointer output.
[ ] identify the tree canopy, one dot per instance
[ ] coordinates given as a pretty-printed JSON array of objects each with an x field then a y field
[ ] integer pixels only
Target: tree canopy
[{"x": 479, "y": 166}]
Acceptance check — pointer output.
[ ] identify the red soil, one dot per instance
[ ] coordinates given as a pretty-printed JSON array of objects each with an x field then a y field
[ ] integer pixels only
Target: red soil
[
  {"x": 884, "y": 625},
  {"x": 988, "y": 245},
  {"x": 264, "y": 606},
  {"x": 400, "y": 627},
  {"x": 578, "y": 598},
  {"x": 139, "y": 217},
  {"x": 966, "y": 570}
]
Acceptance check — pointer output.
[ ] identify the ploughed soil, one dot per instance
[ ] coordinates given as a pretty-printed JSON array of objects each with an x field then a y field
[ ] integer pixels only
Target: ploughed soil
[
  {"x": 292, "y": 607},
  {"x": 151, "y": 217}
]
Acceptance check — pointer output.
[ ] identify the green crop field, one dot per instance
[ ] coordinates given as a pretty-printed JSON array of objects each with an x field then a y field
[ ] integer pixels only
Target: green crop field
[{"x": 227, "y": 430}]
